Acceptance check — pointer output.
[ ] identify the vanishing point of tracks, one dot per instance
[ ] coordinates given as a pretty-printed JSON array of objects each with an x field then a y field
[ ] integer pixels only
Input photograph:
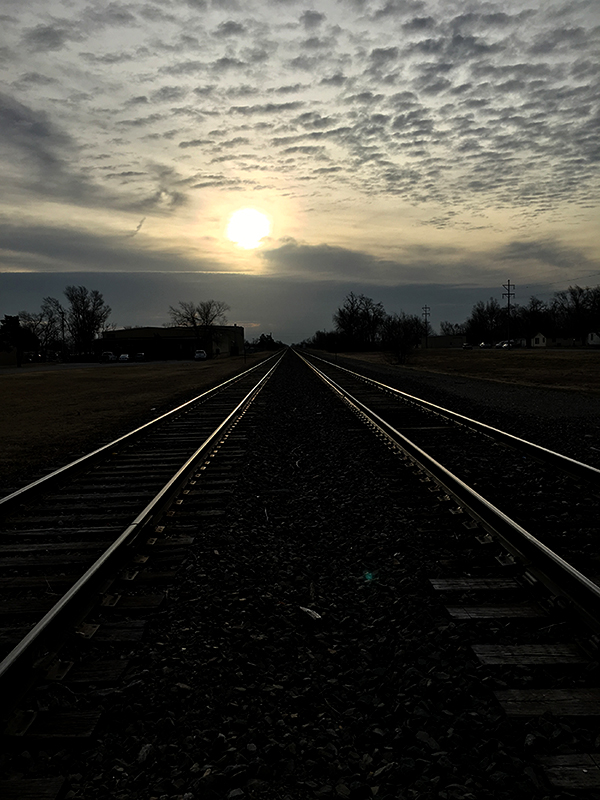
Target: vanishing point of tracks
[{"x": 91, "y": 555}]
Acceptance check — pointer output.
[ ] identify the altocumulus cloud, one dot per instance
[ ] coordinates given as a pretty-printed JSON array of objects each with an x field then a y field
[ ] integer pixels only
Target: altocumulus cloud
[{"x": 476, "y": 124}]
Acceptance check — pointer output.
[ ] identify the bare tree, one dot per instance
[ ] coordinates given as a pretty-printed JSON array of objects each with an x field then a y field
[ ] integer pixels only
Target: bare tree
[
  {"x": 533, "y": 318},
  {"x": 573, "y": 310},
  {"x": 452, "y": 328},
  {"x": 37, "y": 324},
  {"x": 85, "y": 317},
  {"x": 79, "y": 322},
  {"x": 359, "y": 321},
  {"x": 213, "y": 312},
  {"x": 199, "y": 315},
  {"x": 401, "y": 335},
  {"x": 47, "y": 324},
  {"x": 202, "y": 317},
  {"x": 487, "y": 321},
  {"x": 185, "y": 316}
]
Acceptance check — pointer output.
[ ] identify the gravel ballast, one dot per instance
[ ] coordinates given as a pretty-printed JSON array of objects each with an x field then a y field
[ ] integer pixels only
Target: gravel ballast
[
  {"x": 561, "y": 420},
  {"x": 302, "y": 652}
]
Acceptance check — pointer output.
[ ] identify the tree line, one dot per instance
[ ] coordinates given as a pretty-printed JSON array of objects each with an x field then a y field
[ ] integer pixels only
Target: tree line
[
  {"x": 362, "y": 324},
  {"x": 72, "y": 327},
  {"x": 58, "y": 326},
  {"x": 571, "y": 314}
]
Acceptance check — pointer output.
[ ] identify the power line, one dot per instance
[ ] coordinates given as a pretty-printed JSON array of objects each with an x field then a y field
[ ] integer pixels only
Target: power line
[{"x": 576, "y": 277}]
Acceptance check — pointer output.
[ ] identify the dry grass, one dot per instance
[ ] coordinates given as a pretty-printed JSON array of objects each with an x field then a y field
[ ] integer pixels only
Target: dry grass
[
  {"x": 572, "y": 370},
  {"x": 52, "y": 415}
]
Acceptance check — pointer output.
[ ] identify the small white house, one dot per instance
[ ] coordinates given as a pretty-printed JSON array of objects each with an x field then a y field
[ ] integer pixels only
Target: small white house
[
  {"x": 540, "y": 340},
  {"x": 594, "y": 339}
]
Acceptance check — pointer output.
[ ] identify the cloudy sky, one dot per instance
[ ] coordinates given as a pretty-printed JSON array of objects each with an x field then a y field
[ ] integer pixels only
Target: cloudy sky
[{"x": 420, "y": 151}]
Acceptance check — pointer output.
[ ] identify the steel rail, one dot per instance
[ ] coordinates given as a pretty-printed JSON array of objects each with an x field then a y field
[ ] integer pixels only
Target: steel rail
[
  {"x": 8, "y": 503},
  {"x": 557, "y": 574},
  {"x": 576, "y": 469},
  {"x": 75, "y": 603}
]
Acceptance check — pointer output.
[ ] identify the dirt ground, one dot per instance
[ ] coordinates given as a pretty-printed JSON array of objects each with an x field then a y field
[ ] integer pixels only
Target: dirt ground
[{"x": 50, "y": 415}]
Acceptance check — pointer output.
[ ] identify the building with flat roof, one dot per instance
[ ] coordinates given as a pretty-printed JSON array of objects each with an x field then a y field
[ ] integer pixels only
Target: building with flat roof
[{"x": 173, "y": 343}]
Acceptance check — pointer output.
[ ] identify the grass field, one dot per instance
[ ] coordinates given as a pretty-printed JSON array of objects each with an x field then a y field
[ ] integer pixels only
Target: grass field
[
  {"x": 49, "y": 417},
  {"x": 53, "y": 415},
  {"x": 571, "y": 370}
]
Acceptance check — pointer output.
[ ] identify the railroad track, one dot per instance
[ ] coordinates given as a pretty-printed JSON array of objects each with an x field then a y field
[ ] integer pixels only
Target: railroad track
[
  {"x": 535, "y": 500},
  {"x": 503, "y": 592},
  {"x": 555, "y": 498},
  {"x": 80, "y": 540}
]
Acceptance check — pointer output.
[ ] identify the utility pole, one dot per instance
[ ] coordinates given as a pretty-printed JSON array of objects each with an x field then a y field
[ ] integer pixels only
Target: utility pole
[
  {"x": 508, "y": 294},
  {"x": 426, "y": 311},
  {"x": 62, "y": 325}
]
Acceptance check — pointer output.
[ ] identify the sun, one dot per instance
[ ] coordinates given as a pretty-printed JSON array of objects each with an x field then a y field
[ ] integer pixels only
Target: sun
[{"x": 247, "y": 227}]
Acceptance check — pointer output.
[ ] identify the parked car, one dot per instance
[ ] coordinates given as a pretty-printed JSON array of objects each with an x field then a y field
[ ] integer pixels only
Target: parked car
[
  {"x": 124, "y": 357},
  {"x": 485, "y": 345},
  {"x": 108, "y": 356},
  {"x": 200, "y": 355},
  {"x": 140, "y": 357},
  {"x": 467, "y": 346}
]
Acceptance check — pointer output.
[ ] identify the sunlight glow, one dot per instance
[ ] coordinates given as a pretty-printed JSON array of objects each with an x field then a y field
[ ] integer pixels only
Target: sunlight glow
[{"x": 247, "y": 227}]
